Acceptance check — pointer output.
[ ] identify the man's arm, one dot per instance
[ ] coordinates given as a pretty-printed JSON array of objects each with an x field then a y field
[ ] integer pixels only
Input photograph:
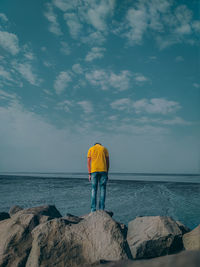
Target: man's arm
[
  {"x": 107, "y": 163},
  {"x": 89, "y": 167}
]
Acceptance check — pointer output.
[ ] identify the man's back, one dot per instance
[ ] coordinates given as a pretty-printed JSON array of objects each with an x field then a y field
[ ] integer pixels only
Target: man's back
[{"x": 98, "y": 155}]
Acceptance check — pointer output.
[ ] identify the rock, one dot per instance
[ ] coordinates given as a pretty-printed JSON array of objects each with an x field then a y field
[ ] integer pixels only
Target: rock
[
  {"x": 184, "y": 229},
  {"x": 153, "y": 236},
  {"x": 15, "y": 233},
  {"x": 191, "y": 240},
  {"x": 14, "y": 209},
  {"x": 16, "y": 239},
  {"x": 4, "y": 216},
  {"x": 95, "y": 238},
  {"x": 183, "y": 259},
  {"x": 49, "y": 211},
  {"x": 72, "y": 218}
]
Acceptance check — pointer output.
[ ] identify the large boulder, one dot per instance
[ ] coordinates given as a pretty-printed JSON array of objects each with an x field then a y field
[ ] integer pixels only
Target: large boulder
[
  {"x": 60, "y": 242},
  {"x": 183, "y": 259},
  {"x": 191, "y": 240},
  {"x": 15, "y": 233},
  {"x": 14, "y": 209},
  {"x": 16, "y": 239},
  {"x": 153, "y": 236}
]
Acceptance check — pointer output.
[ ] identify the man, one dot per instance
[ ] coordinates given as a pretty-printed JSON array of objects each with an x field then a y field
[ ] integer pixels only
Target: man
[{"x": 98, "y": 166}]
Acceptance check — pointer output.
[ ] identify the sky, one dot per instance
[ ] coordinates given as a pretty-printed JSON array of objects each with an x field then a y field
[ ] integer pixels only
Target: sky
[{"x": 119, "y": 72}]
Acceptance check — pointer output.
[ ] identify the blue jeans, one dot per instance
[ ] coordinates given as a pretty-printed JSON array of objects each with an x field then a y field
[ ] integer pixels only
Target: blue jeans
[{"x": 101, "y": 178}]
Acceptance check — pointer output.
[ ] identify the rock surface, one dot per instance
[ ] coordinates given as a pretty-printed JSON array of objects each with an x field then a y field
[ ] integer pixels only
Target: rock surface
[
  {"x": 183, "y": 259},
  {"x": 15, "y": 234},
  {"x": 153, "y": 236},
  {"x": 4, "y": 216},
  {"x": 61, "y": 243},
  {"x": 191, "y": 240},
  {"x": 16, "y": 239},
  {"x": 14, "y": 209}
]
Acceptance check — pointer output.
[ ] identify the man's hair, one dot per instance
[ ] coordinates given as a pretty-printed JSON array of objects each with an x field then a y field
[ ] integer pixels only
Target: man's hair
[{"x": 97, "y": 144}]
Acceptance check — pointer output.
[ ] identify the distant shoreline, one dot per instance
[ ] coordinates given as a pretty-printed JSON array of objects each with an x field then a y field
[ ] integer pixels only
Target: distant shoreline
[{"x": 111, "y": 173}]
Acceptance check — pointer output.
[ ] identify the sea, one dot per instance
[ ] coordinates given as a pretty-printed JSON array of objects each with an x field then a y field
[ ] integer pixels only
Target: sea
[{"x": 128, "y": 194}]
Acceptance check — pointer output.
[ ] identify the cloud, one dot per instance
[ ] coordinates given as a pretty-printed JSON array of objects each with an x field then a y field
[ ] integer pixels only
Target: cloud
[
  {"x": 26, "y": 71},
  {"x": 92, "y": 15},
  {"x": 98, "y": 78},
  {"x": 173, "y": 121},
  {"x": 62, "y": 81},
  {"x": 77, "y": 68},
  {"x": 176, "y": 121},
  {"x": 121, "y": 104},
  {"x": 107, "y": 79},
  {"x": 54, "y": 26},
  {"x": 196, "y": 85},
  {"x": 98, "y": 13},
  {"x": 5, "y": 74},
  {"x": 94, "y": 38},
  {"x": 163, "y": 21},
  {"x": 11, "y": 97},
  {"x": 156, "y": 105},
  {"x": 137, "y": 22},
  {"x": 74, "y": 24},
  {"x": 9, "y": 42},
  {"x": 3, "y": 17},
  {"x": 179, "y": 59},
  {"x": 120, "y": 81},
  {"x": 86, "y": 106},
  {"x": 65, "y": 49},
  {"x": 140, "y": 78},
  {"x": 64, "y": 5},
  {"x": 65, "y": 105},
  {"x": 96, "y": 52}
]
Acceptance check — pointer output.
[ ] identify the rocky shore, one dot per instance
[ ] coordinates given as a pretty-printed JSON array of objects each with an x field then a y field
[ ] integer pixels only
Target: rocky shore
[{"x": 41, "y": 236}]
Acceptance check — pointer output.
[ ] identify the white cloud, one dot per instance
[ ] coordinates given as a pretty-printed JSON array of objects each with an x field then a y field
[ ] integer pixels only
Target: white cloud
[
  {"x": 9, "y": 42},
  {"x": 3, "y": 17},
  {"x": 26, "y": 71},
  {"x": 65, "y": 49},
  {"x": 176, "y": 121},
  {"x": 73, "y": 23},
  {"x": 94, "y": 38},
  {"x": 196, "y": 85},
  {"x": 11, "y": 97},
  {"x": 121, "y": 104},
  {"x": 52, "y": 18},
  {"x": 96, "y": 52},
  {"x": 196, "y": 25},
  {"x": 156, "y": 105},
  {"x": 106, "y": 79},
  {"x": 62, "y": 81},
  {"x": 137, "y": 21},
  {"x": 47, "y": 64},
  {"x": 163, "y": 20},
  {"x": 120, "y": 81},
  {"x": 77, "y": 68},
  {"x": 86, "y": 106},
  {"x": 140, "y": 78},
  {"x": 179, "y": 59},
  {"x": 98, "y": 13},
  {"x": 98, "y": 78},
  {"x": 65, "y": 105},
  {"x": 5, "y": 74},
  {"x": 64, "y": 5}
]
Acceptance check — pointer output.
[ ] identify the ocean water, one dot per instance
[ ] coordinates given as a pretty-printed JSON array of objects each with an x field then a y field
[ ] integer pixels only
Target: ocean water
[{"x": 128, "y": 195}]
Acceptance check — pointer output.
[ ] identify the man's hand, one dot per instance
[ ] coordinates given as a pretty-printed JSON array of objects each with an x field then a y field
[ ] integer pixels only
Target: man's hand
[{"x": 89, "y": 177}]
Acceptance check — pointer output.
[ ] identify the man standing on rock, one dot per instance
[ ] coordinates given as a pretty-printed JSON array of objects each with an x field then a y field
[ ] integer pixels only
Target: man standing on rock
[{"x": 98, "y": 166}]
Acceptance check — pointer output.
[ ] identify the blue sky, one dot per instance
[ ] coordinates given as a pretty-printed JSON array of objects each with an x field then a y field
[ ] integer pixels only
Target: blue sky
[{"x": 124, "y": 73}]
